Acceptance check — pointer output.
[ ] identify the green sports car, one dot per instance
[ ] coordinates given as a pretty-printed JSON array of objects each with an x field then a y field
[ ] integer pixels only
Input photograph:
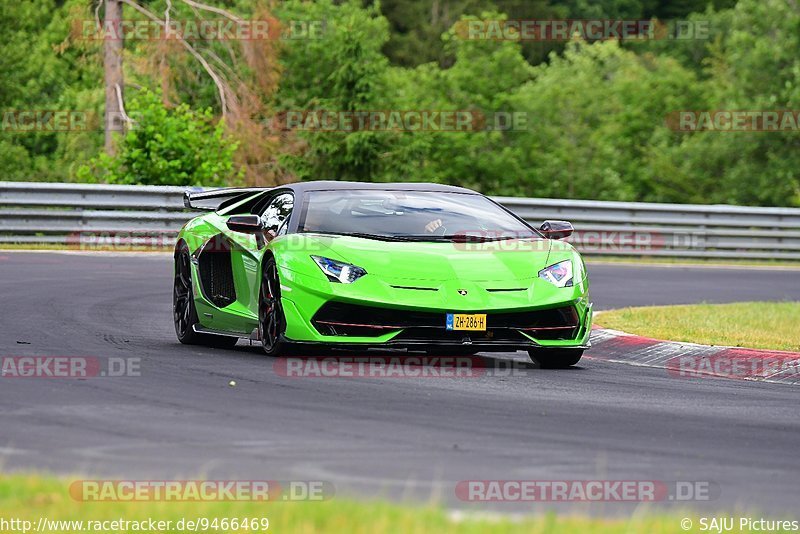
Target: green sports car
[{"x": 413, "y": 266}]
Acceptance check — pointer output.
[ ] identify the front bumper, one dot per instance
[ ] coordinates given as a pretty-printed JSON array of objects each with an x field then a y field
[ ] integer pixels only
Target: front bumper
[{"x": 521, "y": 314}]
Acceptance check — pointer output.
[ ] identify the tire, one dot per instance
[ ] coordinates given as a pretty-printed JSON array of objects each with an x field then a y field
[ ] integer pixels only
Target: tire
[
  {"x": 184, "y": 313},
  {"x": 271, "y": 319},
  {"x": 555, "y": 358}
]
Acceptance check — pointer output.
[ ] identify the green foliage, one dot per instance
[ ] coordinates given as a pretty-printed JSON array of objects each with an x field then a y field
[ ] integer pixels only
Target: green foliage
[
  {"x": 344, "y": 71},
  {"x": 39, "y": 70},
  {"x": 595, "y": 112},
  {"x": 598, "y": 115},
  {"x": 416, "y": 26},
  {"x": 484, "y": 76},
  {"x": 752, "y": 64},
  {"x": 177, "y": 146}
]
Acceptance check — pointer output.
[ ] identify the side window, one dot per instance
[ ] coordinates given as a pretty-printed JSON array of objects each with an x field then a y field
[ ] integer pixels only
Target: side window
[{"x": 277, "y": 212}]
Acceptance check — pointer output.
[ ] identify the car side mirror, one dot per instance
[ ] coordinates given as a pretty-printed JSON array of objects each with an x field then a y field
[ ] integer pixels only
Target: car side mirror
[
  {"x": 556, "y": 229},
  {"x": 245, "y": 224}
]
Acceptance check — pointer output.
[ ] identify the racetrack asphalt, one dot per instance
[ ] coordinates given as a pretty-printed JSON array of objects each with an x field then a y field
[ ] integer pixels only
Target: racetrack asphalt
[{"x": 406, "y": 439}]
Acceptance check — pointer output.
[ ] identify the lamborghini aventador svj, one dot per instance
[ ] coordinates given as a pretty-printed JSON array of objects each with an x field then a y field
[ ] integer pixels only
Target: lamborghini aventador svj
[{"x": 365, "y": 265}]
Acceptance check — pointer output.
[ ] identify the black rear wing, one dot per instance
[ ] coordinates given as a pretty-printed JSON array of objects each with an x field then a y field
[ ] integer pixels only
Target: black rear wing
[{"x": 214, "y": 198}]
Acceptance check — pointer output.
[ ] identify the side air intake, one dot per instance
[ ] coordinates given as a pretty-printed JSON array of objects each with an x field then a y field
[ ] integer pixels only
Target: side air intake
[{"x": 216, "y": 272}]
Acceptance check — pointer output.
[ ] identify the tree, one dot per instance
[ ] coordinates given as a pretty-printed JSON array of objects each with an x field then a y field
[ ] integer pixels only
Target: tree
[
  {"x": 345, "y": 71},
  {"x": 177, "y": 146},
  {"x": 112, "y": 65}
]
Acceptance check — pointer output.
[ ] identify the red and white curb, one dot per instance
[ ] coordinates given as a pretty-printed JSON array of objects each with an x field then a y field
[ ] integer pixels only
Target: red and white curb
[{"x": 693, "y": 361}]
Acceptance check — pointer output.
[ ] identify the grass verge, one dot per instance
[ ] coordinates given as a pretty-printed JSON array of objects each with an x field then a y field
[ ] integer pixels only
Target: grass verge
[
  {"x": 30, "y": 498},
  {"x": 757, "y": 325}
]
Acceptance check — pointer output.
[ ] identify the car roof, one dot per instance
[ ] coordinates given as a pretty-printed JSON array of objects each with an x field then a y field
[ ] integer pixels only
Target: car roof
[{"x": 333, "y": 185}]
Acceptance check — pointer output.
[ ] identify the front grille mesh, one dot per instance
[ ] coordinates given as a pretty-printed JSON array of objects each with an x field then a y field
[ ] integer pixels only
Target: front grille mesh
[{"x": 343, "y": 319}]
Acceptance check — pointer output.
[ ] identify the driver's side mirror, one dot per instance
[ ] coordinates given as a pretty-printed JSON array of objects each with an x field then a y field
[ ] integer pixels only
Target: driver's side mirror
[
  {"x": 245, "y": 224},
  {"x": 556, "y": 229}
]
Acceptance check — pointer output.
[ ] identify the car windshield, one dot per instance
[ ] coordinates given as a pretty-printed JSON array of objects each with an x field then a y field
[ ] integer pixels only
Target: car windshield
[{"x": 412, "y": 215}]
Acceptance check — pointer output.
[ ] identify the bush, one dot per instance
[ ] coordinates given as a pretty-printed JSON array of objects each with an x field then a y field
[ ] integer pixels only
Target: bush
[{"x": 178, "y": 146}]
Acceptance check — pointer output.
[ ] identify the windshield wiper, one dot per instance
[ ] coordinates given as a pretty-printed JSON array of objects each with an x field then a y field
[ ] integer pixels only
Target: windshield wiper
[
  {"x": 364, "y": 235},
  {"x": 461, "y": 238}
]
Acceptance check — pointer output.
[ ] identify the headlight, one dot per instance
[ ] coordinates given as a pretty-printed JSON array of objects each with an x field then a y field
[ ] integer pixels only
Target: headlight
[
  {"x": 559, "y": 274},
  {"x": 338, "y": 271}
]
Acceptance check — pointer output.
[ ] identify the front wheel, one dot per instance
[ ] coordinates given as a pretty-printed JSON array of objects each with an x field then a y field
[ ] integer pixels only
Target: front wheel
[
  {"x": 271, "y": 320},
  {"x": 555, "y": 358}
]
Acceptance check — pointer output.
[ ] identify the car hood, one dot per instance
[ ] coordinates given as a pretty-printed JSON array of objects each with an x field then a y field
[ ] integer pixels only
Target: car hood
[{"x": 476, "y": 262}]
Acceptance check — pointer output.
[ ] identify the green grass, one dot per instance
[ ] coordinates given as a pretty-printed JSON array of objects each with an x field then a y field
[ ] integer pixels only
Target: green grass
[
  {"x": 758, "y": 325},
  {"x": 31, "y": 497}
]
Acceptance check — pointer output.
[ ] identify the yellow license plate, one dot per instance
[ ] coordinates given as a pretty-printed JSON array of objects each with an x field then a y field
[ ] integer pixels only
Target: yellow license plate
[{"x": 466, "y": 321}]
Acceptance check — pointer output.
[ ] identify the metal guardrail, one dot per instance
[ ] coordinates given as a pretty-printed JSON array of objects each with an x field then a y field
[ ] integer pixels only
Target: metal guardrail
[{"x": 87, "y": 215}]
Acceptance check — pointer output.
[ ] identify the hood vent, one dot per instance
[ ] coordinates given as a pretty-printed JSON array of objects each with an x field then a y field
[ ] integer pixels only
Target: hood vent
[
  {"x": 417, "y": 288},
  {"x": 505, "y": 290}
]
